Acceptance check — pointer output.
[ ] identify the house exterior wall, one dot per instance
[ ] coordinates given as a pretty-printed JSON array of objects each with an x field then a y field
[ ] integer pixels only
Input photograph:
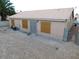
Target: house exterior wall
[
  {"x": 0, "y": 17},
  {"x": 67, "y": 29},
  {"x": 69, "y": 24},
  {"x": 10, "y": 23},
  {"x": 57, "y": 30},
  {"x": 18, "y": 24},
  {"x": 70, "y": 21},
  {"x": 26, "y": 30},
  {"x": 59, "y": 27}
]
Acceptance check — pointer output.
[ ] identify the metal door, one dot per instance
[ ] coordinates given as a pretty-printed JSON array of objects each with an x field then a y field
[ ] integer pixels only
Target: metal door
[{"x": 33, "y": 26}]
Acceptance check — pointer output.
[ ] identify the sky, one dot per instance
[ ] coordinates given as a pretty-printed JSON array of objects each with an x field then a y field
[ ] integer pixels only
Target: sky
[{"x": 28, "y": 5}]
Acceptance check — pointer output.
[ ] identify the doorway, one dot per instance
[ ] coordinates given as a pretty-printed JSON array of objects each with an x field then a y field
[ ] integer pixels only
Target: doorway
[{"x": 33, "y": 26}]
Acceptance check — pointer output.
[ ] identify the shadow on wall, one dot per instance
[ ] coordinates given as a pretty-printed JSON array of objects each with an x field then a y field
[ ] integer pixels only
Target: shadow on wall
[
  {"x": 72, "y": 32},
  {"x": 0, "y": 18}
]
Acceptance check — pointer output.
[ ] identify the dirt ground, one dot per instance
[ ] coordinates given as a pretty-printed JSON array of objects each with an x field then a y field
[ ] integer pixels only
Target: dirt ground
[{"x": 17, "y": 45}]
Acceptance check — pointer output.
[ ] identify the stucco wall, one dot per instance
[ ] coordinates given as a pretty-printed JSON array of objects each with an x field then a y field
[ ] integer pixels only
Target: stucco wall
[
  {"x": 9, "y": 22},
  {"x": 0, "y": 17},
  {"x": 57, "y": 30},
  {"x": 69, "y": 22},
  {"x": 18, "y": 23},
  {"x": 26, "y": 30}
]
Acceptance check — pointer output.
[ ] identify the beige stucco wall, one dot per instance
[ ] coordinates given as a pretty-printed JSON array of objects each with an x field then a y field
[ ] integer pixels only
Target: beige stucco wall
[
  {"x": 26, "y": 30},
  {"x": 69, "y": 22},
  {"x": 18, "y": 23},
  {"x": 0, "y": 17},
  {"x": 57, "y": 30},
  {"x": 9, "y": 22}
]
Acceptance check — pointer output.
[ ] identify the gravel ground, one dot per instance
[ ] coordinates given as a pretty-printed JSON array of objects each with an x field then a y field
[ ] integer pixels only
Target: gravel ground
[{"x": 16, "y": 45}]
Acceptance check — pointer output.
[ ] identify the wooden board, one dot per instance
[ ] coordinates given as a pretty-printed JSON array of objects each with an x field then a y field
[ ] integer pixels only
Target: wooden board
[
  {"x": 45, "y": 26},
  {"x": 25, "y": 24}
]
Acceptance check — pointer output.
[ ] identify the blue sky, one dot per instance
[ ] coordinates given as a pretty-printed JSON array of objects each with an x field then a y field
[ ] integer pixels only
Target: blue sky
[{"x": 27, "y": 5}]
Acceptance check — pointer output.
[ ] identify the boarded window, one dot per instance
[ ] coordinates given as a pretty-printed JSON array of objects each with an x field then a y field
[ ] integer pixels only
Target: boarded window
[
  {"x": 45, "y": 26},
  {"x": 12, "y": 23},
  {"x": 25, "y": 24}
]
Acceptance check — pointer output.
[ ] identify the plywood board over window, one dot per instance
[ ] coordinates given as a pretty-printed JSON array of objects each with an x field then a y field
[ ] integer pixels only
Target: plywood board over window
[
  {"x": 12, "y": 23},
  {"x": 46, "y": 26},
  {"x": 25, "y": 24}
]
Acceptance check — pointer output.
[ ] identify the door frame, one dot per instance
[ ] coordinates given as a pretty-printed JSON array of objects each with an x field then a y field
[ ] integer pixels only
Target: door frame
[
  {"x": 42, "y": 33},
  {"x": 33, "y": 25},
  {"x": 28, "y": 29}
]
